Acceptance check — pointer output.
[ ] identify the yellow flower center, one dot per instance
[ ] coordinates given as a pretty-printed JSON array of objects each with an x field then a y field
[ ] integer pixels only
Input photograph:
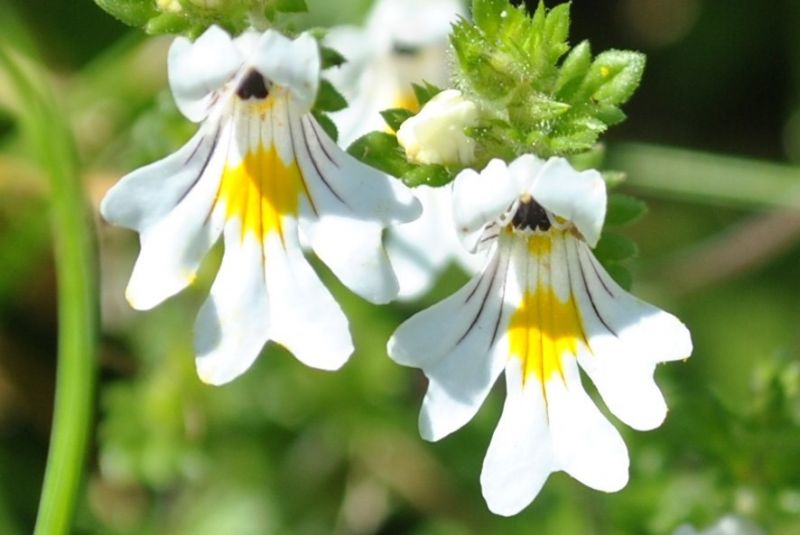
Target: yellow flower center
[{"x": 261, "y": 191}]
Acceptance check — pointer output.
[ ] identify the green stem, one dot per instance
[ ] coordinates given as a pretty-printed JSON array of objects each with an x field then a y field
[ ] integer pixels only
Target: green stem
[
  {"x": 77, "y": 297},
  {"x": 707, "y": 178}
]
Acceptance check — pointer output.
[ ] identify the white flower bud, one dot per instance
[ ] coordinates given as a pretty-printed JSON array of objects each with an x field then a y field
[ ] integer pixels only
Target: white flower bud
[{"x": 436, "y": 134}]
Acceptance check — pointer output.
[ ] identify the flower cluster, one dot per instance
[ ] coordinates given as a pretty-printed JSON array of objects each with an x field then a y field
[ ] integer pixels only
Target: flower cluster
[{"x": 262, "y": 172}]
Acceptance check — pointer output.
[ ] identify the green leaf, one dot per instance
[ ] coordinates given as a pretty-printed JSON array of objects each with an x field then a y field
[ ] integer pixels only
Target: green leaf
[
  {"x": 326, "y": 124},
  {"x": 131, "y": 12},
  {"x": 623, "y": 210},
  {"x": 396, "y": 116},
  {"x": 427, "y": 175},
  {"x": 614, "y": 248},
  {"x": 328, "y": 98},
  {"x": 488, "y": 13},
  {"x": 614, "y": 76},
  {"x": 171, "y": 23},
  {"x": 573, "y": 70},
  {"x": 425, "y": 92},
  {"x": 621, "y": 275},
  {"x": 291, "y": 6},
  {"x": 381, "y": 150},
  {"x": 331, "y": 57}
]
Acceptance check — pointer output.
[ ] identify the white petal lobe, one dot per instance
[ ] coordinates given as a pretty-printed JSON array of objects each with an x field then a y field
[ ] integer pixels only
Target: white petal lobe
[{"x": 233, "y": 324}]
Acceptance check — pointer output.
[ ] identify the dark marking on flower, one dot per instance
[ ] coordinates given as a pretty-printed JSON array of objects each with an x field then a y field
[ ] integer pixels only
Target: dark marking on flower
[
  {"x": 253, "y": 86},
  {"x": 530, "y": 215},
  {"x": 404, "y": 49}
]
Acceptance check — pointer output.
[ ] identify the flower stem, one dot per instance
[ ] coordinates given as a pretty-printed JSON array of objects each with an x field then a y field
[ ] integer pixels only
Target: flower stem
[
  {"x": 707, "y": 178},
  {"x": 73, "y": 236}
]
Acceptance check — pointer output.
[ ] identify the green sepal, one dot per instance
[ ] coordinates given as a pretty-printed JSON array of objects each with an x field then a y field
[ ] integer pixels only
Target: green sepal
[
  {"x": 291, "y": 6},
  {"x": 396, "y": 116},
  {"x": 381, "y": 150},
  {"x": 432, "y": 175},
  {"x": 327, "y": 124},
  {"x": 131, "y": 12},
  {"x": 613, "y": 248},
  {"x": 425, "y": 92},
  {"x": 623, "y": 210},
  {"x": 331, "y": 57},
  {"x": 328, "y": 98}
]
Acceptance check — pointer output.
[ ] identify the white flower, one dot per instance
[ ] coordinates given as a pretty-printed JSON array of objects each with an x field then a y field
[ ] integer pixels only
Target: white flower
[
  {"x": 403, "y": 42},
  {"x": 436, "y": 134},
  {"x": 259, "y": 169},
  {"x": 542, "y": 306}
]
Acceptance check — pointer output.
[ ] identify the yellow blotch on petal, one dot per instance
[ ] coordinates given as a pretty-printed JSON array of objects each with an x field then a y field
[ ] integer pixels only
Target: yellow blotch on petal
[
  {"x": 544, "y": 328},
  {"x": 261, "y": 191}
]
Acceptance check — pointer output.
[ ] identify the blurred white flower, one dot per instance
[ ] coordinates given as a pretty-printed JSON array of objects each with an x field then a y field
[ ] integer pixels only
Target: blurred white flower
[
  {"x": 436, "y": 134},
  {"x": 542, "y": 306},
  {"x": 260, "y": 169},
  {"x": 403, "y": 42}
]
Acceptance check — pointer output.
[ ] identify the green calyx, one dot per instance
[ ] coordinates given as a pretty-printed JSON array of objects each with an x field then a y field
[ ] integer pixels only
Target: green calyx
[
  {"x": 193, "y": 17},
  {"x": 538, "y": 94}
]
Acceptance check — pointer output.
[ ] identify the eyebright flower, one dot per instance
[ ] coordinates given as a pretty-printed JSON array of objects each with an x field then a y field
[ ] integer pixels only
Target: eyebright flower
[
  {"x": 260, "y": 169},
  {"x": 403, "y": 42},
  {"x": 542, "y": 306},
  {"x": 436, "y": 134}
]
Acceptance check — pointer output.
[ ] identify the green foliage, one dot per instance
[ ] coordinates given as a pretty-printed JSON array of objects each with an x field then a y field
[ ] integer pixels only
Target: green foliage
[
  {"x": 193, "y": 17},
  {"x": 622, "y": 210},
  {"x": 424, "y": 92},
  {"x": 396, "y": 116},
  {"x": 508, "y": 61},
  {"x": 330, "y": 57},
  {"x": 381, "y": 150},
  {"x": 328, "y": 98}
]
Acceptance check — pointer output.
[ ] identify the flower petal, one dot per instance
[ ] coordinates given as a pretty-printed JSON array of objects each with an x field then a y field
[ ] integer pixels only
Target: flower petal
[
  {"x": 481, "y": 199},
  {"x": 586, "y": 445},
  {"x": 197, "y": 70},
  {"x": 306, "y": 320},
  {"x": 521, "y": 456},
  {"x": 291, "y": 63},
  {"x": 422, "y": 249},
  {"x": 627, "y": 337},
  {"x": 233, "y": 324},
  {"x": 579, "y": 197},
  {"x": 454, "y": 342},
  {"x": 399, "y": 21},
  {"x": 168, "y": 202},
  {"x": 348, "y": 205}
]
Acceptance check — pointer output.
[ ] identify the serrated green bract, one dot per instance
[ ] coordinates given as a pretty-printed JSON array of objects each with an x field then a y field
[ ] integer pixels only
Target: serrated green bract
[
  {"x": 330, "y": 57},
  {"x": 327, "y": 124},
  {"x": 131, "y": 12},
  {"x": 424, "y": 92},
  {"x": 328, "y": 98},
  {"x": 623, "y": 210},
  {"x": 192, "y": 17},
  {"x": 291, "y": 6},
  {"x": 381, "y": 150},
  {"x": 396, "y": 116},
  {"x": 614, "y": 248},
  {"x": 538, "y": 95}
]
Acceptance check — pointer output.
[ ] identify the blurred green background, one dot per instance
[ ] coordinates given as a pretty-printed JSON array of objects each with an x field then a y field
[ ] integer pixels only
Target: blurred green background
[{"x": 712, "y": 144}]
